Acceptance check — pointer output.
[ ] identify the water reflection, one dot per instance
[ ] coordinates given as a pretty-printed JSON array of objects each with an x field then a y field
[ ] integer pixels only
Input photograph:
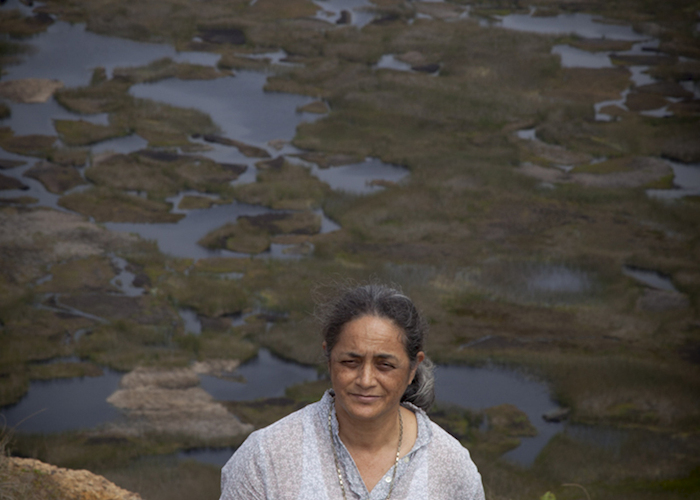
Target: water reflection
[
  {"x": 583, "y": 25},
  {"x": 70, "y": 53},
  {"x": 65, "y": 404},
  {"x": 180, "y": 239},
  {"x": 480, "y": 388},
  {"x": 191, "y": 320},
  {"x": 360, "y": 178},
  {"x": 389, "y": 61},
  {"x": 571, "y": 57},
  {"x": 266, "y": 376},
  {"x": 650, "y": 278},
  {"x": 238, "y": 105}
]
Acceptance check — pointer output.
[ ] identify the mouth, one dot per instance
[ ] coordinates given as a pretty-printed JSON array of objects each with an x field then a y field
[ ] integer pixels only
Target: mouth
[{"x": 365, "y": 398}]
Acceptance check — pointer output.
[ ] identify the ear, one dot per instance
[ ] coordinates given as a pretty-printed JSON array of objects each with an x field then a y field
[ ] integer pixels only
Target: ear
[{"x": 419, "y": 359}]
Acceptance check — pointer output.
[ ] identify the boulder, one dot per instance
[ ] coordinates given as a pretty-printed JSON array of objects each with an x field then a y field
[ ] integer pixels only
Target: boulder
[{"x": 29, "y": 478}]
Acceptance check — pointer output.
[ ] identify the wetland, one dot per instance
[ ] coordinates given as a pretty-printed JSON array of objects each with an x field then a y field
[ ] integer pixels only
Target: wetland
[{"x": 180, "y": 181}]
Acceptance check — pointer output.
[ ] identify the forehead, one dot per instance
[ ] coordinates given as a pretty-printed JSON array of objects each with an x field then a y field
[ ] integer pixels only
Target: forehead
[{"x": 369, "y": 335}]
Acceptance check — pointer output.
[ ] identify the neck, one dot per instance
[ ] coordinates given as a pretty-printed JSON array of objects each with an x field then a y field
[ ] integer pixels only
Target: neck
[{"x": 368, "y": 434}]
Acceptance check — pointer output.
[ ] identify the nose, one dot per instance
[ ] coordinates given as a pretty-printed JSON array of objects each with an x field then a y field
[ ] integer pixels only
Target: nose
[{"x": 365, "y": 376}]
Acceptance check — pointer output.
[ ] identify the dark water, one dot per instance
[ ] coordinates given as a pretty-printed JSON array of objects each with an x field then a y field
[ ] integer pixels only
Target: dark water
[
  {"x": 266, "y": 376},
  {"x": 79, "y": 403},
  {"x": 64, "y": 404},
  {"x": 480, "y": 388},
  {"x": 237, "y": 104}
]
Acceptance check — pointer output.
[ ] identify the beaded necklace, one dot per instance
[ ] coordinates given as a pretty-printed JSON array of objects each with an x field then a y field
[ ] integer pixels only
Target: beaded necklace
[{"x": 337, "y": 464}]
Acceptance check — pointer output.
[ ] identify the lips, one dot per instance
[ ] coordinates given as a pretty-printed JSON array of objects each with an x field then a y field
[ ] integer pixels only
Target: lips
[{"x": 365, "y": 398}]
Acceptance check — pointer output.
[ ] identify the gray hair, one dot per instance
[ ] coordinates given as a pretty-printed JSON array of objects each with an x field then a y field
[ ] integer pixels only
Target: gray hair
[{"x": 385, "y": 302}]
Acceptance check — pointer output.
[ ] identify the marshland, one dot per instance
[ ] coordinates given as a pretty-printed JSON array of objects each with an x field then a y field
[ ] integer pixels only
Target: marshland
[{"x": 182, "y": 181}]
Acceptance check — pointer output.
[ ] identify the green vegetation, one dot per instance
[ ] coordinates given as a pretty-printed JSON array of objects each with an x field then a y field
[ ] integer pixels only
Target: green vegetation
[
  {"x": 509, "y": 271},
  {"x": 107, "y": 205},
  {"x": 83, "y": 133}
]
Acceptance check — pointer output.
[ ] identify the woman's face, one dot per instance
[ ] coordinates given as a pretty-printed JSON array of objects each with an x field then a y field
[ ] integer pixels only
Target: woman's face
[{"x": 369, "y": 368}]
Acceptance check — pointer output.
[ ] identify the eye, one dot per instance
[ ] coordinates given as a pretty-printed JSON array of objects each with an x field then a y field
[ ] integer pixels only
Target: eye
[
  {"x": 385, "y": 365},
  {"x": 350, "y": 363}
]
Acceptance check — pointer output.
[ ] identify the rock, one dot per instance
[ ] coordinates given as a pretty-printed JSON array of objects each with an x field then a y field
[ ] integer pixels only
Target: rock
[
  {"x": 345, "y": 17},
  {"x": 557, "y": 415},
  {"x": 11, "y": 183},
  {"x": 29, "y": 90},
  {"x": 170, "y": 402},
  {"x": 56, "y": 179},
  {"x": 662, "y": 301},
  {"x": 29, "y": 478}
]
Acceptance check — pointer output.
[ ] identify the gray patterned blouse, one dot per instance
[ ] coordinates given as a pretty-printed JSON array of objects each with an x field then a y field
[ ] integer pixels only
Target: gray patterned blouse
[{"x": 292, "y": 459}]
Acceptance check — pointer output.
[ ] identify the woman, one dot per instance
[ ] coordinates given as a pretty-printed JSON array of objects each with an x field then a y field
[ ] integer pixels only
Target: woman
[{"x": 368, "y": 437}]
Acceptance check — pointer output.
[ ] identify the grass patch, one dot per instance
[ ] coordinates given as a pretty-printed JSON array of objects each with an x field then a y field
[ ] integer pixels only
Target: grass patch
[
  {"x": 253, "y": 234},
  {"x": 56, "y": 179},
  {"x": 290, "y": 187},
  {"x": 161, "y": 175},
  {"x": 64, "y": 370},
  {"x": 89, "y": 274},
  {"x": 124, "y": 345},
  {"x": 83, "y": 133},
  {"x": 107, "y": 205},
  {"x": 167, "y": 68},
  {"x": 208, "y": 296}
]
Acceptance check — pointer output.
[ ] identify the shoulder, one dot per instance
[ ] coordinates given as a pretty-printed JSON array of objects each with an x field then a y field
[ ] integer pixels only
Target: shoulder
[
  {"x": 276, "y": 437},
  {"x": 267, "y": 456},
  {"x": 451, "y": 466}
]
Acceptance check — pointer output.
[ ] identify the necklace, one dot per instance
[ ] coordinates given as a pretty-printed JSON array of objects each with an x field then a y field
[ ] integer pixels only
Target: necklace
[{"x": 337, "y": 464}]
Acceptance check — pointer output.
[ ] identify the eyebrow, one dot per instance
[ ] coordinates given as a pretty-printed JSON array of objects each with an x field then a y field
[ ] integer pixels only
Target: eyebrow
[{"x": 380, "y": 356}]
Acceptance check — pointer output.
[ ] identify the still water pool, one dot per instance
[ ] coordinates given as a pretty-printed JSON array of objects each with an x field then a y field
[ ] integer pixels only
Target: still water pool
[{"x": 80, "y": 403}]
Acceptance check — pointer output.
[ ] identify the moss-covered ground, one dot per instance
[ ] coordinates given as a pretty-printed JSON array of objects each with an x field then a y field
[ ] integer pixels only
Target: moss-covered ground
[{"x": 509, "y": 268}]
